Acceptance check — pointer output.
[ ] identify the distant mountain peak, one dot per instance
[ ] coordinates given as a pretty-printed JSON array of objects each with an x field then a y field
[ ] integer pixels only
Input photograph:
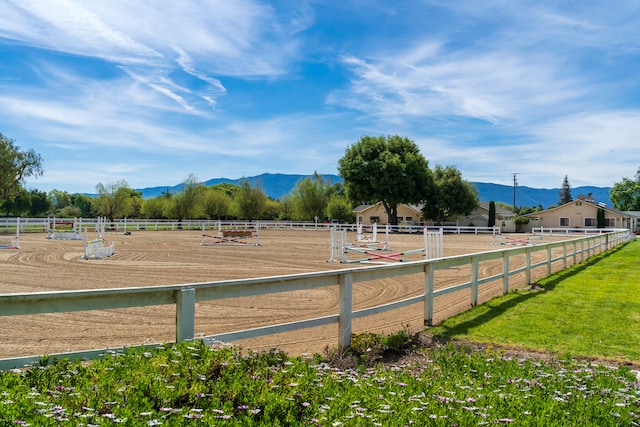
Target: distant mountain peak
[{"x": 276, "y": 185}]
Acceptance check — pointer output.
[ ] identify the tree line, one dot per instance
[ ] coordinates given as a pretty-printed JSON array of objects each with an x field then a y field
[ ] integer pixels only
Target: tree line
[{"x": 386, "y": 169}]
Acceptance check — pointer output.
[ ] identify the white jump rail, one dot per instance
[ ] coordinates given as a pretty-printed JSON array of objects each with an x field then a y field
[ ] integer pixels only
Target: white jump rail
[{"x": 185, "y": 296}]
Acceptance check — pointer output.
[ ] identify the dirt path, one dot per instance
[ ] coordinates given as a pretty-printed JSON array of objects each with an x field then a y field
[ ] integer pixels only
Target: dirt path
[{"x": 148, "y": 258}]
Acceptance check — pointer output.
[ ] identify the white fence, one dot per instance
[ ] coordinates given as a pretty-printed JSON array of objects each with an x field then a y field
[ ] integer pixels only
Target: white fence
[
  {"x": 121, "y": 225},
  {"x": 185, "y": 296}
]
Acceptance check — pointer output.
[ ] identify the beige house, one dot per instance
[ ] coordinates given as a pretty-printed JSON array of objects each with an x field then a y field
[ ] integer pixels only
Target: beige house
[
  {"x": 480, "y": 218},
  {"x": 580, "y": 213},
  {"x": 370, "y": 214}
]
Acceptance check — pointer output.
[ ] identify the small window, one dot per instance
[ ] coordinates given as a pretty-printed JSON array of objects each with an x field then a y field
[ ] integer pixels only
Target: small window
[
  {"x": 564, "y": 222},
  {"x": 375, "y": 219},
  {"x": 610, "y": 222},
  {"x": 400, "y": 219},
  {"x": 408, "y": 218},
  {"x": 590, "y": 222}
]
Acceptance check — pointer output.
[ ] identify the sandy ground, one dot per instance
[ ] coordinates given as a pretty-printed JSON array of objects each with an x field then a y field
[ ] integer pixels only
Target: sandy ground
[{"x": 148, "y": 258}]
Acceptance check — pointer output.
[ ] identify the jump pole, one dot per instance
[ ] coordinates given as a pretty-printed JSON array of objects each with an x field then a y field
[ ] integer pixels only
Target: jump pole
[
  {"x": 11, "y": 242},
  {"x": 340, "y": 246},
  {"x": 373, "y": 242},
  {"x": 232, "y": 237}
]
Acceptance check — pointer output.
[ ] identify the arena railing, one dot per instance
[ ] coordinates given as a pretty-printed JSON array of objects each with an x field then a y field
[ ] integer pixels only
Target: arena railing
[
  {"x": 121, "y": 225},
  {"x": 185, "y": 296}
]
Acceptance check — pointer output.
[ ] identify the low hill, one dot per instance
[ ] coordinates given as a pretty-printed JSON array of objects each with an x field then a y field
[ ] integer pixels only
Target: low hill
[{"x": 278, "y": 185}]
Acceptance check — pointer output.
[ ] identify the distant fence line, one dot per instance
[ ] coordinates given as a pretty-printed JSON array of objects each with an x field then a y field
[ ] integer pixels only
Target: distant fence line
[
  {"x": 185, "y": 296},
  {"x": 46, "y": 224}
]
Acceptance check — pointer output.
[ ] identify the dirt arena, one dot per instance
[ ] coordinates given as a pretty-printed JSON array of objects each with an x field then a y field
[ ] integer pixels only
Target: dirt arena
[{"x": 149, "y": 258}]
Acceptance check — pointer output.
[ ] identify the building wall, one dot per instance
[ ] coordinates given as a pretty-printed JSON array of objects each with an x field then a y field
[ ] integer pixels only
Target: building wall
[
  {"x": 577, "y": 214},
  {"x": 377, "y": 214}
]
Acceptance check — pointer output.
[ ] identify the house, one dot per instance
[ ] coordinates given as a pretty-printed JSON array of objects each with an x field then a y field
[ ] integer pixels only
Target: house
[
  {"x": 370, "y": 214},
  {"x": 581, "y": 213},
  {"x": 480, "y": 218}
]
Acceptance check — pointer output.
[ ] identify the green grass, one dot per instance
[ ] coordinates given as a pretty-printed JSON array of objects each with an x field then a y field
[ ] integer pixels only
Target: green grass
[
  {"x": 192, "y": 384},
  {"x": 589, "y": 310}
]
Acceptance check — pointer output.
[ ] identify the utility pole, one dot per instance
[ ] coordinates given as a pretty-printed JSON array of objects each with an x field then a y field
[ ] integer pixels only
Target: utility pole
[{"x": 515, "y": 185}]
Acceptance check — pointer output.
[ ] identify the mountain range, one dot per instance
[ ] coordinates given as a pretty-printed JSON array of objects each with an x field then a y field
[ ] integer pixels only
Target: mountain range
[{"x": 277, "y": 185}]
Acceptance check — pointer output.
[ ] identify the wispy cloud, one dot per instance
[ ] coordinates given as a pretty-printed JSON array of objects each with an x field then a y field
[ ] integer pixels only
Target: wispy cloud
[
  {"x": 233, "y": 88},
  {"x": 152, "y": 40}
]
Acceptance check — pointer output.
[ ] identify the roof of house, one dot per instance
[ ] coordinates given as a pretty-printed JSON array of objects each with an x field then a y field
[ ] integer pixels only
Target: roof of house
[
  {"x": 587, "y": 201},
  {"x": 363, "y": 208},
  {"x": 500, "y": 210}
]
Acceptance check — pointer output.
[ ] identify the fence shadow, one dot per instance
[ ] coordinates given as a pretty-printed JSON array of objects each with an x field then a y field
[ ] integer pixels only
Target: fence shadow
[{"x": 491, "y": 310}]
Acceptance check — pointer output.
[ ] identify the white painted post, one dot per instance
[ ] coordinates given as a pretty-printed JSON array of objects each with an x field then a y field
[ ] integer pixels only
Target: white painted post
[
  {"x": 345, "y": 303},
  {"x": 185, "y": 314},
  {"x": 528, "y": 266},
  {"x": 474, "y": 281},
  {"x": 428, "y": 294},
  {"x": 505, "y": 272}
]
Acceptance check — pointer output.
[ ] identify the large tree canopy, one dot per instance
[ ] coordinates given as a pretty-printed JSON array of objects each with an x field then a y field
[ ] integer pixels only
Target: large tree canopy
[
  {"x": 453, "y": 195},
  {"x": 311, "y": 197},
  {"x": 625, "y": 195},
  {"x": 387, "y": 169},
  {"x": 114, "y": 200},
  {"x": 15, "y": 166}
]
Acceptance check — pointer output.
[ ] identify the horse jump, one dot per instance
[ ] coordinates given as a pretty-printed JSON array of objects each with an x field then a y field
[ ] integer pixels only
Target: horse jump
[
  {"x": 97, "y": 248},
  {"x": 72, "y": 229},
  {"x": 231, "y": 237},
  {"x": 371, "y": 241},
  {"x": 501, "y": 239},
  {"x": 340, "y": 247},
  {"x": 11, "y": 241}
]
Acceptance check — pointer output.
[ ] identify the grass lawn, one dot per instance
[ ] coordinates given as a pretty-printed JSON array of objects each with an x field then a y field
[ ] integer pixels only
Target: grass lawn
[{"x": 591, "y": 310}]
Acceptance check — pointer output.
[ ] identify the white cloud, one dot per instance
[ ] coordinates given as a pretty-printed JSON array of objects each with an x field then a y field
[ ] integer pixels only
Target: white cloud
[{"x": 154, "y": 39}]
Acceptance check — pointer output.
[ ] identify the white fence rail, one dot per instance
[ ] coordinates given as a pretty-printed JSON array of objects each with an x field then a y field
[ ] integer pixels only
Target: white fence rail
[
  {"x": 49, "y": 224},
  {"x": 185, "y": 296}
]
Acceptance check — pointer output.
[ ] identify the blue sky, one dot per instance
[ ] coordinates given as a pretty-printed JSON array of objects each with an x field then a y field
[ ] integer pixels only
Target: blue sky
[{"x": 151, "y": 92}]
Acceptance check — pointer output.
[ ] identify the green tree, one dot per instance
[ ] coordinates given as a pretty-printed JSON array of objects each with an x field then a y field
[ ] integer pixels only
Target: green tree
[
  {"x": 59, "y": 200},
  {"x": 310, "y": 197},
  {"x": 287, "y": 207},
  {"x": 114, "y": 200},
  {"x": 40, "y": 203},
  {"x": 83, "y": 203},
  {"x": 216, "y": 204},
  {"x": 600, "y": 218},
  {"x": 249, "y": 201},
  {"x": 625, "y": 195},
  {"x": 492, "y": 214},
  {"x": 18, "y": 204},
  {"x": 15, "y": 166},
  {"x": 272, "y": 209},
  {"x": 339, "y": 208},
  {"x": 387, "y": 169},
  {"x": 453, "y": 196},
  {"x": 185, "y": 204},
  {"x": 70, "y": 211},
  {"x": 155, "y": 208},
  {"x": 565, "y": 192}
]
